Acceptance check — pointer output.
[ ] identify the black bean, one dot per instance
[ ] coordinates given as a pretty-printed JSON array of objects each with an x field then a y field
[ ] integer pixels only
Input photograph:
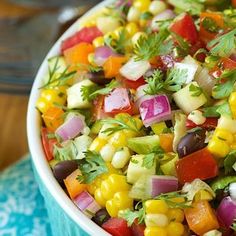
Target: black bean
[
  {"x": 64, "y": 168},
  {"x": 191, "y": 142},
  {"x": 101, "y": 216},
  {"x": 98, "y": 78}
]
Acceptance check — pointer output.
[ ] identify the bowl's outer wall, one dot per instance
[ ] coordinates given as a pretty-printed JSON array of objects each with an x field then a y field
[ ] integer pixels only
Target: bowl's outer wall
[{"x": 65, "y": 218}]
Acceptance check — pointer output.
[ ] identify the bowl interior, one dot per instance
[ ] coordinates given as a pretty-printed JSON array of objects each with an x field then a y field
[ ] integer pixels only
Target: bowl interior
[{"x": 34, "y": 140}]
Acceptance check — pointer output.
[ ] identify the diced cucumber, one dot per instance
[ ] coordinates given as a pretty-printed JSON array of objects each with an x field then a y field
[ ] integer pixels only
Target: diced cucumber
[
  {"x": 57, "y": 65},
  {"x": 168, "y": 167},
  {"x": 74, "y": 95},
  {"x": 159, "y": 127},
  {"x": 82, "y": 144},
  {"x": 186, "y": 101},
  {"x": 225, "y": 122},
  {"x": 136, "y": 169},
  {"x": 144, "y": 145},
  {"x": 96, "y": 127}
]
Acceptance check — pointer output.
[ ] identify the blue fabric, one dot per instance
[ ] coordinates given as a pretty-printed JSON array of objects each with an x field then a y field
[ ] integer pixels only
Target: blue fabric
[{"x": 22, "y": 210}]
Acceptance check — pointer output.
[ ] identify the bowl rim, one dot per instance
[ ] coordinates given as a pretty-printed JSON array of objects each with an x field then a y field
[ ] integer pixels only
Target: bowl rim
[{"x": 34, "y": 141}]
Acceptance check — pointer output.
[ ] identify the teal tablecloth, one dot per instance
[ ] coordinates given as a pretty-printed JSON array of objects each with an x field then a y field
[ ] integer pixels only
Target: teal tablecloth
[{"x": 22, "y": 210}]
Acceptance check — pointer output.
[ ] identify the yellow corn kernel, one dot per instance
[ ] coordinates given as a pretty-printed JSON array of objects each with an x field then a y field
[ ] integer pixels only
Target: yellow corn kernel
[
  {"x": 112, "y": 208},
  {"x": 118, "y": 139},
  {"x": 98, "y": 42},
  {"x": 155, "y": 231},
  {"x": 97, "y": 144},
  {"x": 122, "y": 200},
  {"x": 224, "y": 135},
  {"x": 131, "y": 28},
  {"x": 108, "y": 189},
  {"x": 119, "y": 181},
  {"x": 156, "y": 206},
  {"x": 175, "y": 229},
  {"x": 176, "y": 215},
  {"x": 218, "y": 148},
  {"x": 142, "y": 5},
  {"x": 99, "y": 197},
  {"x": 42, "y": 104}
]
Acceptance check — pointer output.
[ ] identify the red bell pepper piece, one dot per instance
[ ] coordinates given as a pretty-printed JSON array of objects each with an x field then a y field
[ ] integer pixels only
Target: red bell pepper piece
[
  {"x": 210, "y": 123},
  {"x": 118, "y": 102},
  {"x": 86, "y": 35},
  {"x": 200, "y": 164},
  {"x": 224, "y": 64},
  {"x": 117, "y": 227},
  {"x": 233, "y": 2},
  {"x": 185, "y": 27},
  {"x": 133, "y": 84},
  {"x": 137, "y": 229},
  {"x": 48, "y": 143}
]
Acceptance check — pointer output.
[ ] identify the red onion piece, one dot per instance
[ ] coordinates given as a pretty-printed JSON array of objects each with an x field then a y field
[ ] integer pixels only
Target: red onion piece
[
  {"x": 86, "y": 203},
  {"x": 154, "y": 109},
  {"x": 162, "y": 184},
  {"x": 71, "y": 127},
  {"x": 226, "y": 212},
  {"x": 133, "y": 70},
  {"x": 101, "y": 54},
  {"x": 165, "y": 15},
  {"x": 118, "y": 99}
]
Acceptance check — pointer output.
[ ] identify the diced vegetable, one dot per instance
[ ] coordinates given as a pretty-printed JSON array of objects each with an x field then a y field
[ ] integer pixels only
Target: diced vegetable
[
  {"x": 226, "y": 212},
  {"x": 71, "y": 127},
  {"x": 134, "y": 70},
  {"x": 101, "y": 54},
  {"x": 200, "y": 164},
  {"x": 168, "y": 164},
  {"x": 117, "y": 101},
  {"x": 154, "y": 109},
  {"x": 227, "y": 123},
  {"x": 74, "y": 95},
  {"x": 185, "y": 94},
  {"x": 184, "y": 26},
  {"x": 136, "y": 169},
  {"x": 166, "y": 142},
  {"x": 107, "y": 23},
  {"x": 117, "y": 227},
  {"x": 144, "y": 145},
  {"x": 86, "y": 203},
  {"x": 82, "y": 144},
  {"x": 73, "y": 186},
  {"x": 201, "y": 217},
  {"x": 232, "y": 190}
]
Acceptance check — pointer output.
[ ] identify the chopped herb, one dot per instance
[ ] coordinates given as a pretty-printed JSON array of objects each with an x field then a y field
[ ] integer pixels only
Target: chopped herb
[
  {"x": 195, "y": 91},
  {"x": 91, "y": 167},
  {"x": 229, "y": 161},
  {"x": 155, "y": 83},
  {"x": 220, "y": 138},
  {"x": 131, "y": 216},
  {"x": 121, "y": 124},
  {"x": 91, "y": 92},
  {"x": 169, "y": 198},
  {"x": 183, "y": 46},
  {"x": 88, "y": 67},
  {"x": 216, "y": 111},
  {"x": 223, "y": 45},
  {"x": 222, "y": 182},
  {"x": 149, "y": 159},
  {"x": 210, "y": 25},
  {"x": 118, "y": 45},
  {"x": 146, "y": 16},
  {"x": 164, "y": 24},
  {"x": 152, "y": 45}
]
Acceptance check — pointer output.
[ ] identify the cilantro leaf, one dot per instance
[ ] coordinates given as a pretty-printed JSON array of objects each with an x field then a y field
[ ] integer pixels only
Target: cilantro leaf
[
  {"x": 155, "y": 83},
  {"x": 216, "y": 111},
  {"x": 195, "y": 91},
  {"x": 223, "y": 45},
  {"x": 131, "y": 216},
  {"x": 152, "y": 45},
  {"x": 91, "y": 167},
  {"x": 149, "y": 159},
  {"x": 210, "y": 25},
  {"x": 229, "y": 160}
]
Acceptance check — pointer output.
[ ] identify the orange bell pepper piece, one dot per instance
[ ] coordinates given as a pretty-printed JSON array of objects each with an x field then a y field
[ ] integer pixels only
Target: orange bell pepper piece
[
  {"x": 201, "y": 217},
  {"x": 112, "y": 66},
  {"x": 73, "y": 186},
  {"x": 166, "y": 142},
  {"x": 78, "y": 54},
  {"x": 53, "y": 118},
  {"x": 216, "y": 18}
]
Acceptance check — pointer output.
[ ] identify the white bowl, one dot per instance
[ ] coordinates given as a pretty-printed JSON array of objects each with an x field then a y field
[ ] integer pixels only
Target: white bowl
[{"x": 65, "y": 217}]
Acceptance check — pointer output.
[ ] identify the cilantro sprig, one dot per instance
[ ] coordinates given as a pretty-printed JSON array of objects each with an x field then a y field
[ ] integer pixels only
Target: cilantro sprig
[
  {"x": 195, "y": 91},
  {"x": 217, "y": 110},
  {"x": 175, "y": 79},
  {"x": 91, "y": 167},
  {"x": 91, "y": 92},
  {"x": 223, "y": 45},
  {"x": 120, "y": 124},
  {"x": 152, "y": 45},
  {"x": 131, "y": 216},
  {"x": 149, "y": 159},
  {"x": 229, "y": 161}
]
